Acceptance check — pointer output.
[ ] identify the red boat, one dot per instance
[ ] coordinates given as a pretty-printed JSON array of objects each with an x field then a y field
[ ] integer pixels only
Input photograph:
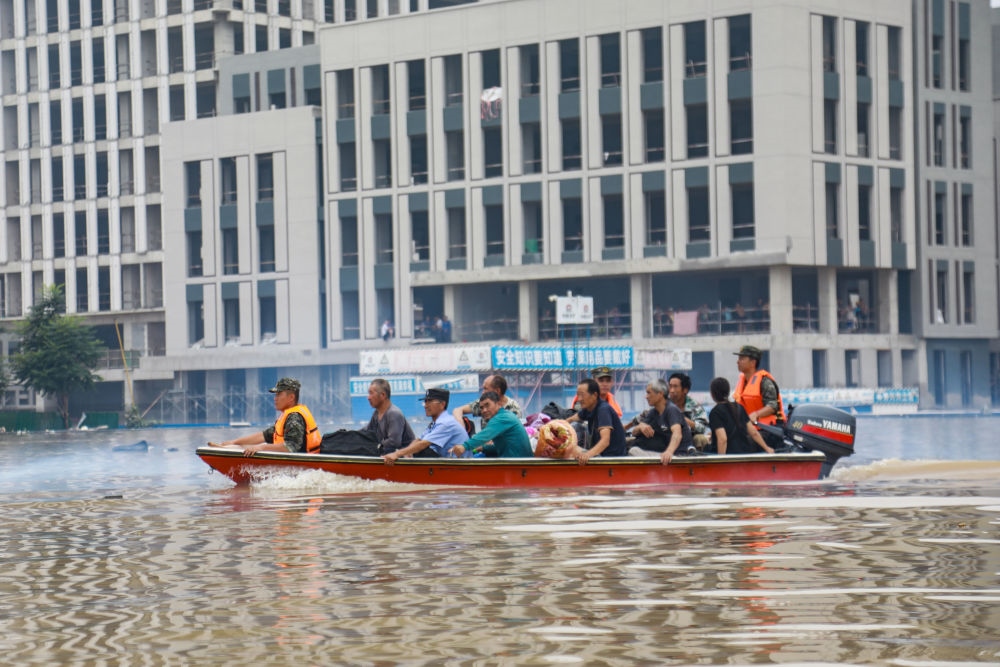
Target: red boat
[
  {"x": 527, "y": 472},
  {"x": 816, "y": 437}
]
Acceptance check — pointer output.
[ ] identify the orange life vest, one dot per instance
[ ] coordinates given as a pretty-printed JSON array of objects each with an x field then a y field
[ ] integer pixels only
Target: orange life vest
[
  {"x": 313, "y": 436},
  {"x": 748, "y": 395}
]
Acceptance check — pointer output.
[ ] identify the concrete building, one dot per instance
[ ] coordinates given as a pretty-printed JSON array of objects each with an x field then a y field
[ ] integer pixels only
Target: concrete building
[{"x": 804, "y": 178}]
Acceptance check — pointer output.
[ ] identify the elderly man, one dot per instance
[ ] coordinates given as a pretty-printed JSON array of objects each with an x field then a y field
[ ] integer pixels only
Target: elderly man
[
  {"x": 388, "y": 422},
  {"x": 607, "y": 435},
  {"x": 661, "y": 430},
  {"x": 443, "y": 433},
  {"x": 497, "y": 384},
  {"x": 504, "y": 435},
  {"x": 757, "y": 391},
  {"x": 294, "y": 431},
  {"x": 678, "y": 387}
]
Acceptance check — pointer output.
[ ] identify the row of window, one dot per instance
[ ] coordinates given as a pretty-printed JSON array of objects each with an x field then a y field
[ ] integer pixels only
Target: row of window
[
  {"x": 945, "y": 306},
  {"x": 267, "y": 316},
  {"x": 141, "y": 288},
  {"x": 70, "y": 179}
]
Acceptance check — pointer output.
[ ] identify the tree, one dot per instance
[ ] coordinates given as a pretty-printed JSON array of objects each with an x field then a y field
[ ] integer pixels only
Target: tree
[{"x": 57, "y": 353}]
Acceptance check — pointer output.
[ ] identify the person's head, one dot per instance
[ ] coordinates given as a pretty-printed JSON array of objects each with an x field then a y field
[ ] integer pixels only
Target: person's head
[
  {"x": 656, "y": 392},
  {"x": 589, "y": 393},
  {"x": 489, "y": 403},
  {"x": 678, "y": 386},
  {"x": 747, "y": 359},
  {"x": 286, "y": 393},
  {"x": 497, "y": 383},
  {"x": 378, "y": 393},
  {"x": 605, "y": 379},
  {"x": 435, "y": 401},
  {"x": 719, "y": 388}
]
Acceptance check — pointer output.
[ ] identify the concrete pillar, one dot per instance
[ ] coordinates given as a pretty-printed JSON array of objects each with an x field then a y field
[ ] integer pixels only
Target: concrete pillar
[
  {"x": 641, "y": 305},
  {"x": 886, "y": 306},
  {"x": 527, "y": 310},
  {"x": 827, "y": 288},
  {"x": 780, "y": 295}
]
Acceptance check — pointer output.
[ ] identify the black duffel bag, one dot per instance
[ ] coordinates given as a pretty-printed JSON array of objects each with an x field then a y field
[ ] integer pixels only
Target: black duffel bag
[{"x": 351, "y": 443}]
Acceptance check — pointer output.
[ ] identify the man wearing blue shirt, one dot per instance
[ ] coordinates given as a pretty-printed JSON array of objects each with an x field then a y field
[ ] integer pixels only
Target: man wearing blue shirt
[
  {"x": 443, "y": 433},
  {"x": 503, "y": 436}
]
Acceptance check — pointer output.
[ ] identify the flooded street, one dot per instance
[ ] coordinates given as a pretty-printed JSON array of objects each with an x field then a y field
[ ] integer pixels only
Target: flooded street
[{"x": 143, "y": 557}]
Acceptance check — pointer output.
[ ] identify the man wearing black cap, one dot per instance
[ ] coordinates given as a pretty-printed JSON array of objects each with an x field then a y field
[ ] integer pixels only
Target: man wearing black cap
[
  {"x": 757, "y": 391},
  {"x": 294, "y": 431},
  {"x": 606, "y": 381},
  {"x": 443, "y": 433}
]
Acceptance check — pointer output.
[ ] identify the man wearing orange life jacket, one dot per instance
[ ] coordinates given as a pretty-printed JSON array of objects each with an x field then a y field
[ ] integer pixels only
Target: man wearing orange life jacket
[
  {"x": 294, "y": 431},
  {"x": 757, "y": 391}
]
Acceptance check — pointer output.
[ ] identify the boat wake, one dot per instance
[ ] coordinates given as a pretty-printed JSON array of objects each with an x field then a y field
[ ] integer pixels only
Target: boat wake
[
  {"x": 281, "y": 481},
  {"x": 899, "y": 469}
]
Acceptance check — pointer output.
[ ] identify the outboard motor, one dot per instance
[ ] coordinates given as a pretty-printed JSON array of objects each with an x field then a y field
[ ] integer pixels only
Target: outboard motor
[{"x": 822, "y": 428}]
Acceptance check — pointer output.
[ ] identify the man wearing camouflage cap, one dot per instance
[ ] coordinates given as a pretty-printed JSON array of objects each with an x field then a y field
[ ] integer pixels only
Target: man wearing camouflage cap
[
  {"x": 757, "y": 391},
  {"x": 294, "y": 431}
]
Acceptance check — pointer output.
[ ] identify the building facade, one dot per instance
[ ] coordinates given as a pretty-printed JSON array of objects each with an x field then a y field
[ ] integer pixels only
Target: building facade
[{"x": 806, "y": 178}]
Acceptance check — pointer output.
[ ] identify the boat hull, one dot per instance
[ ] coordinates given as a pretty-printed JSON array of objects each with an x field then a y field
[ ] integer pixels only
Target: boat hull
[{"x": 528, "y": 472}]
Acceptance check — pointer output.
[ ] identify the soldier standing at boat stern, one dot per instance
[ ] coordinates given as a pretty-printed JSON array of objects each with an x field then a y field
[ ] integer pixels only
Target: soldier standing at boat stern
[
  {"x": 757, "y": 391},
  {"x": 294, "y": 431}
]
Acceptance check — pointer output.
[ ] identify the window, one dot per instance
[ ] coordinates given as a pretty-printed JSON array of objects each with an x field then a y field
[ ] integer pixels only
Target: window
[
  {"x": 741, "y": 127},
  {"x": 58, "y": 236},
  {"x": 349, "y": 241},
  {"x": 194, "y": 262},
  {"x": 611, "y": 60},
  {"x": 895, "y": 50},
  {"x": 420, "y": 235},
  {"x": 231, "y": 318},
  {"x": 865, "y": 212},
  {"x": 699, "y": 222},
  {"x": 265, "y": 177},
  {"x": 740, "y": 43},
  {"x": 861, "y": 47},
  {"x": 196, "y": 322},
  {"x": 965, "y": 210},
  {"x": 940, "y": 205},
  {"x": 453, "y": 80},
  {"x": 384, "y": 244},
  {"x": 572, "y": 157},
  {"x": 965, "y": 139},
  {"x": 348, "y": 167},
  {"x": 964, "y": 63},
  {"x": 832, "y": 211},
  {"x": 655, "y": 139},
  {"x": 829, "y": 44},
  {"x": 103, "y": 288},
  {"x": 652, "y": 55},
  {"x": 492, "y": 152},
  {"x": 455, "y": 147},
  {"x": 937, "y": 139},
  {"x": 380, "y": 90},
  {"x": 533, "y": 238},
  {"x": 614, "y": 222},
  {"x": 265, "y": 241},
  {"x": 311, "y": 87},
  {"x": 937, "y": 42},
  {"x": 80, "y": 229},
  {"x": 531, "y": 147},
  {"x": 416, "y": 85},
  {"x": 490, "y": 61},
  {"x": 695, "y": 64},
  {"x": 895, "y": 133},
  {"x": 345, "y": 94},
  {"x": 418, "y": 159},
  {"x": 611, "y": 139},
  {"x": 192, "y": 182},
  {"x": 103, "y": 232},
  {"x": 830, "y": 126},
  {"x": 382, "y": 150},
  {"x": 456, "y": 233},
  {"x": 743, "y": 214},
  {"x": 176, "y": 102},
  {"x": 697, "y": 130},
  {"x": 572, "y": 220},
  {"x": 656, "y": 218},
  {"x": 896, "y": 215},
  {"x": 230, "y": 251},
  {"x": 494, "y": 231},
  {"x": 864, "y": 115},
  {"x": 530, "y": 70},
  {"x": 941, "y": 294},
  {"x": 968, "y": 296},
  {"x": 569, "y": 65},
  {"x": 227, "y": 166},
  {"x": 268, "y": 317}
]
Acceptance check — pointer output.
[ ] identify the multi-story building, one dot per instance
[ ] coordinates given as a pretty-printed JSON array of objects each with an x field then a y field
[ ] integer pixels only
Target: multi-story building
[{"x": 800, "y": 177}]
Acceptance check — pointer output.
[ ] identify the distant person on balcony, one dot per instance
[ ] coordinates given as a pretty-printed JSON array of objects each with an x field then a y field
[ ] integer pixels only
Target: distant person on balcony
[
  {"x": 388, "y": 422},
  {"x": 441, "y": 434},
  {"x": 387, "y": 331},
  {"x": 679, "y": 386},
  {"x": 495, "y": 383},
  {"x": 606, "y": 381},
  {"x": 757, "y": 391},
  {"x": 445, "y": 329},
  {"x": 294, "y": 431}
]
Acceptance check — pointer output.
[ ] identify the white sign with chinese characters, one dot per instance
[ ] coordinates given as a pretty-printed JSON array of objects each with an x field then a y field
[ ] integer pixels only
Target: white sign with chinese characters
[{"x": 574, "y": 310}]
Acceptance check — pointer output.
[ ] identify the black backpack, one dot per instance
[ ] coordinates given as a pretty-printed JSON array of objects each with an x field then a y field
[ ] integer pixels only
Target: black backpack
[
  {"x": 351, "y": 443},
  {"x": 555, "y": 411}
]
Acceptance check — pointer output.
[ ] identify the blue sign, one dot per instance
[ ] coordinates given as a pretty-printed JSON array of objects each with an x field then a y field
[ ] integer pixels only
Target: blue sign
[
  {"x": 529, "y": 358},
  {"x": 399, "y": 384}
]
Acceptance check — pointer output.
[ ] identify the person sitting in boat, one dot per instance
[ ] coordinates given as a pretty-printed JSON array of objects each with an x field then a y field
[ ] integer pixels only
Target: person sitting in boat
[
  {"x": 443, "y": 433},
  {"x": 294, "y": 431},
  {"x": 388, "y": 422},
  {"x": 732, "y": 430},
  {"x": 503, "y": 435},
  {"x": 607, "y": 435},
  {"x": 678, "y": 392},
  {"x": 495, "y": 383},
  {"x": 661, "y": 430},
  {"x": 606, "y": 381},
  {"x": 757, "y": 391}
]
